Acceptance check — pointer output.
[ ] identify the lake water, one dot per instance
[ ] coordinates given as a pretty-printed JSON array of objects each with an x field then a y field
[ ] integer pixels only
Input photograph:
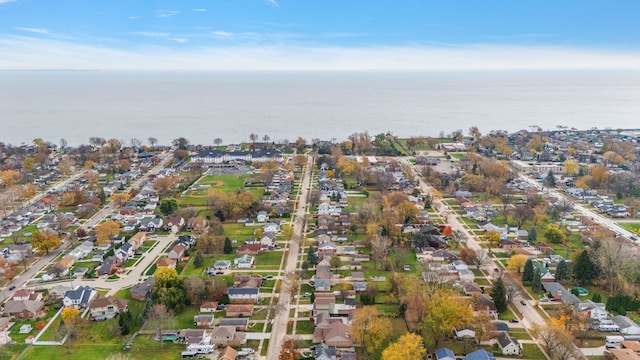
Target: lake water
[{"x": 202, "y": 106}]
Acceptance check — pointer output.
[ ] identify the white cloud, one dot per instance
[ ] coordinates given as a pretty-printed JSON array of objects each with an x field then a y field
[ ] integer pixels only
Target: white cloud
[
  {"x": 151, "y": 34},
  {"x": 166, "y": 13},
  {"x": 200, "y": 10},
  {"x": 6, "y": 1},
  {"x": 180, "y": 40},
  {"x": 273, "y": 3},
  {"x": 133, "y": 17},
  {"x": 34, "y": 30},
  {"x": 222, "y": 34},
  {"x": 344, "y": 34},
  {"x": 23, "y": 52}
]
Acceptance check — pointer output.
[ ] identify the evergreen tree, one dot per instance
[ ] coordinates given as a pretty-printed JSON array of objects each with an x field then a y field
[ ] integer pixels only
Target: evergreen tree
[
  {"x": 584, "y": 270},
  {"x": 312, "y": 257},
  {"x": 102, "y": 196},
  {"x": 561, "y": 270},
  {"x": 198, "y": 261},
  {"x": 551, "y": 179},
  {"x": 536, "y": 281},
  {"x": 228, "y": 249},
  {"x": 499, "y": 295},
  {"x": 596, "y": 298},
  {"x": 575, "y": 291},
  {"x": 125, "y": 322},
  {"x": 533, "y": 235},
  {"x": 527, "y": 272}
]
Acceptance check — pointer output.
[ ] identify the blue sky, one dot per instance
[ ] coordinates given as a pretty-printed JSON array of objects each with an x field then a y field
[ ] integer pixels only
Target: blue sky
[{"x": 309, "y": 34}]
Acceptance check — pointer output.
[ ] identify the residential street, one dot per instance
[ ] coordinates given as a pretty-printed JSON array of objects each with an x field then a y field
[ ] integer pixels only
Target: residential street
[{"x": 279, "y": 328}]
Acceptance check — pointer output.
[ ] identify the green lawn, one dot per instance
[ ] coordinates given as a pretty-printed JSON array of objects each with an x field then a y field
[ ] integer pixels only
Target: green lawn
[
  {"x": 304, "y": 327},
  {"x": 272, "y": 258}
]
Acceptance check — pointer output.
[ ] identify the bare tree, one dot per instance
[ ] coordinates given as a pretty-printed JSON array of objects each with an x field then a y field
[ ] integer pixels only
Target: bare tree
[
  {"x": 161, "y": 318},
  {"x": 152, "y": 141},
  {"x": 380, "y": 246},
  {"x": 217, "y": 141},
  {"x": 292, "y": 281},
  {"x": 615, "y": 260},
  {"x": 557, "y": 343}
]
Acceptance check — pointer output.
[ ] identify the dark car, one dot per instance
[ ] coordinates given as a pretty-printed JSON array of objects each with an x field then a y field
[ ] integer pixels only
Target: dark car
[
  {"x": 11, "y": 287},
  {"x": 523, "y": 302},
  {"x": 514, "y": 320}
]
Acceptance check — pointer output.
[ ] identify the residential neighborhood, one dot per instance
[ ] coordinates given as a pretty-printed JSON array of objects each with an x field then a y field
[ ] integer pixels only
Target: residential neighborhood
[{"x": 255, "y": 250}]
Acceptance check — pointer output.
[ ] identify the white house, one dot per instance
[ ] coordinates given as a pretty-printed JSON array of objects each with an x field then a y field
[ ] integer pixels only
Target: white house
[
  {"x": 80, "y": 297},
  {"x": 271, "y": 227},
  {"x": 244, "y": 262},
  {"x": 597, "y": 311},
  {"x": 508, "y": 345},
  {"x": 243, "y": 295},
  {"x": 262, "y": 216},
  {"x": 466, "y": 332}
]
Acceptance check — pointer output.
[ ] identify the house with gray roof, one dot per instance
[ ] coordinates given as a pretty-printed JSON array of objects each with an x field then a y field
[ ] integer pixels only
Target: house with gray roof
[
  {"x": 324, "y": 352},
  {"x": 80, "y": 297},
  {"x": 560, "y": 293}
]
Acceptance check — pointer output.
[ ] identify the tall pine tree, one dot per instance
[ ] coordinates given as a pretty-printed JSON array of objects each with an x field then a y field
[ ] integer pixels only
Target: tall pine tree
[
  {"x": 533, "y": 235},
  {"x": 527, "y": 272},
  {"x": 536, "y": 281},
  {"x": 312, "y": 257},
  {"x": 499, "y": 295},
  {"x": 228, "y": 249},
  {"x": 584, "y": 269},
  {"x": 562, "y": 270}
]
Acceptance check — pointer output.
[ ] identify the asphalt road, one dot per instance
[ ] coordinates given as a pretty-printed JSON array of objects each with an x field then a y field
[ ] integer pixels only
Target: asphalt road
[{"x": 279, "y": 327}]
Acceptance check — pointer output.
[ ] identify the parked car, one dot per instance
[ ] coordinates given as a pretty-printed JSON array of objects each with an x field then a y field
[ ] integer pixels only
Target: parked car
[
  {"x": 523, "y": 302},
  {"x": 407, "y": 268},
  {"x": 514, "y": 320},
  {"x": 11, "y": 287},
  {"x": 266, "y": 277},
  {"x": 307, "y": 294},
  {"x": 221, "y": 307}
]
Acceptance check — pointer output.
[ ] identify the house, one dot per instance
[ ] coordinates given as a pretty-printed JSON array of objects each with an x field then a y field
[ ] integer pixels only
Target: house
[
  {"x": 597, "y": 311},
  {"x": 208, "y": 306},
  {"x": 357, "y": 276},
  {"x": 359, "y": 286},
  {"x": 485, "y": 305},
  {"x": 332, "y": 331},
  {"x": 239, "y": 310},
  {"x": 58, "y": 291},
  {"x": 244, "y": 262},
  {"x": 247, "y": 281},
  {"x": 197, "y": 224},
  {"x": 166, "y": 262},
  {"x": 445, "y": 354},
  {"x": 323, "y": 352},
  {"x": 559, "y": 293},
  {"x": 465, "y": 333},
  {"x": 322, "y": 285},
  {"x": 222, "y": 265},
  {"x": 481, "y": 354},
  {"x": 466, "y": 275},
  {"x": 327, "y": 248},
  {"x": 227, "y": 335},
  {"x": 509, "y": 244},
  {"x": 262, "y": 217},
  {"x": 107, "y": 307},
  {"x": 124, "y": 252},
  {"x": 271, "y": 227},
  {"x": 176, "y": 222},
  {"x": 324, "y": 303},
  {"x": 203, "y": 320},
  {"x": 251, "y": 249},
  {"x": 108, "y": 267},
  {"x": 26, "y": 294},
  {"x": 508, "y": 345},
  {"x": 142, "y": 290},
  {"x": 151, "y": 224},
  {"x": 187, "y": 335},
  {"x": 243, "y": 295},
  {"x": 621, "y": 354},
  {"x": 138, "y": 240},
  {"x": 23, "y": 309},
  {"x": 471, "y": 288},
  {"x": 626, "y": 325},
  {"x": 177, "y": 252},
  {"x": 80, "y": 297},
  {"x": 228, "y": 353},
  {"x": 238, "y": 323}
]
